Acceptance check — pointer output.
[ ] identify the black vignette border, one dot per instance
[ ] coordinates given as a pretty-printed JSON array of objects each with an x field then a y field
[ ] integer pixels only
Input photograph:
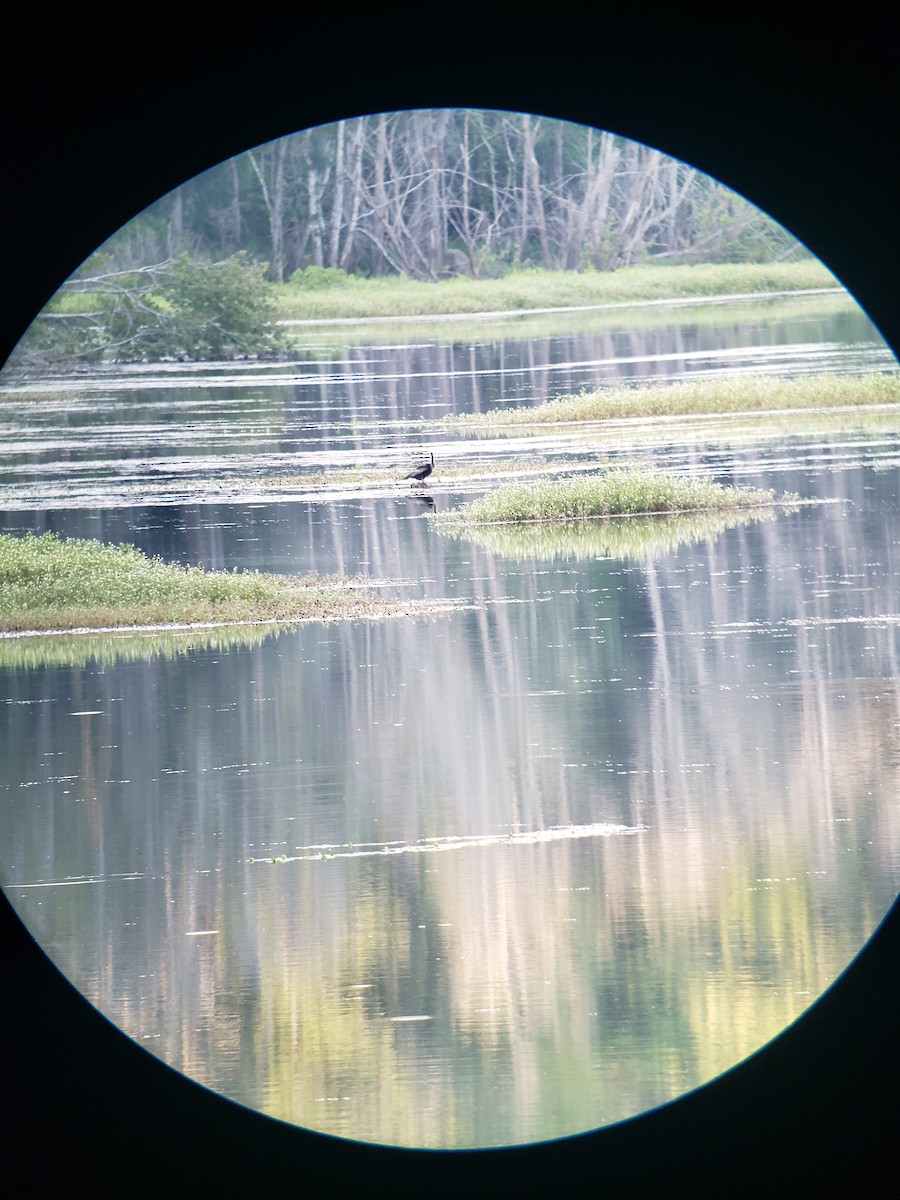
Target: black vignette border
[{"x": 804, "y": 125}]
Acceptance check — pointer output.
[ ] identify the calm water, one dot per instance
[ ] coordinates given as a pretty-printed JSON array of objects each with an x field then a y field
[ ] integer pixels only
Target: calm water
[{"x": 497, "y": 875}]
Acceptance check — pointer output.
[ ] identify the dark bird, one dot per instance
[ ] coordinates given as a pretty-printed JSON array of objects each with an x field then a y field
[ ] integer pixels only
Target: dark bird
[{"x": 421, "y": 471}]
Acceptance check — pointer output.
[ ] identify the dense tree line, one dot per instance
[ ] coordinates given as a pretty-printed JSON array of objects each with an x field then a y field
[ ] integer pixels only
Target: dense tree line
[
  {"x": 443, "y": 192},
  {"x": 426, "y": 194}
]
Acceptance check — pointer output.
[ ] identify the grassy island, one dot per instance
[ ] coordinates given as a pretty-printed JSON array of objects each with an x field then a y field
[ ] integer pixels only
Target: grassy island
[
  {"x": 47, "y": 582},
  {"x": 735, "y": 394},
  {"x": 616, "y": 493}
]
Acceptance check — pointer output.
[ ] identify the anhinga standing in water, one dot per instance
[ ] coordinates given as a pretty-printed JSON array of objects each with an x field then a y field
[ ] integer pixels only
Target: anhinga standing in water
[{"x": 421, "y": 471}]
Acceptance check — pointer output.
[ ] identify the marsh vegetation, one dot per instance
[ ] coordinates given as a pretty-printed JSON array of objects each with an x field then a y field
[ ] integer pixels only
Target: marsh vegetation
[
  {"x": 620, "y": 492},
  {"x": 721, "y": 394},
  {"x": 337, "y": 296},
  {"x": 47, "y": 582}
]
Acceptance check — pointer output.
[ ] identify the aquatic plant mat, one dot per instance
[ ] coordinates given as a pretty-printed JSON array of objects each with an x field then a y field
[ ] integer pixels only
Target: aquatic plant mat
[{"x": 51, "y": 583}]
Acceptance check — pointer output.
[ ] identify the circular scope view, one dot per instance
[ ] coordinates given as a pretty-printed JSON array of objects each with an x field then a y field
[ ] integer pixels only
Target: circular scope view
[{"x": 448, "y": 590}]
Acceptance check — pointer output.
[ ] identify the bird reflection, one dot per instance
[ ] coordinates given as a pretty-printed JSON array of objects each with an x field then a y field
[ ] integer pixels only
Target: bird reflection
[{"x": 428, "y": 501}]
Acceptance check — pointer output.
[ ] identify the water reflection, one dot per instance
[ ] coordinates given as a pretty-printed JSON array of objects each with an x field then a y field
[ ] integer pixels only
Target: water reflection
[
  {"x": 622, "y": 538},
  {"x": 502, "y": 875},
  {"x": 80, "y": 649},
  {"x": 719, "y": 716},
  {"x": 169, "y": 434}
]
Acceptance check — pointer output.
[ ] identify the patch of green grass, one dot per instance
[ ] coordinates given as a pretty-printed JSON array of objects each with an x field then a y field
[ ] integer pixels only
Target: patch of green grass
[
  {"x": 395, "y": 296},
  {"x": 619, "y": 492},
  {"x": 732, "y": 394},
  {"x": 47, "y": 582}
]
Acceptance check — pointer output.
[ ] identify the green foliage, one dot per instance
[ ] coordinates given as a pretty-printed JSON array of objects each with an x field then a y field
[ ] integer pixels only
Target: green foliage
[
  {"x": 187, "y": 309},
  {"x": 319, "y": 279},
  {"x": 216, "y": 310},
  {"x": 729, "y": 229}
]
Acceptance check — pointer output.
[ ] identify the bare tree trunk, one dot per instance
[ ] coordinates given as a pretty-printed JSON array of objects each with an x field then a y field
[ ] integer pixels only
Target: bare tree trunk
[
  {"x": 356, "y": 189},
  {"x": 391, "y": 191},
  {"x": 234, "y": 224},
  {"x": 175, "y": 228},
  {"x": 597, "y": 198},
  {"x": 465, "y": 213},
  {"x": 436, "y": 186},
  {"x": 337, "y": 208},
  {"x": 269, "y": 168},
  {"x": 532, "y": 183},
  {"x": 434, "y": 191},
  {"x": 315, "y": 215}
]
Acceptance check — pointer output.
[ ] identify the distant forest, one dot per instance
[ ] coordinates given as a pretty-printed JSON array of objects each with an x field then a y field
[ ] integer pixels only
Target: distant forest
[{"x": 436, "y": 193}]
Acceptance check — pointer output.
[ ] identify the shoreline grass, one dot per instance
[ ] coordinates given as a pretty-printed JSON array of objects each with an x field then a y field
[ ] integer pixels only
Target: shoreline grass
[
  {"x": 621, "y": 492},
  {"x": 530, "y": 290},
  {"x": 727, "y": 394},
  {"x": 328, "y": 337},
  {"x": 50, "y": 583}
]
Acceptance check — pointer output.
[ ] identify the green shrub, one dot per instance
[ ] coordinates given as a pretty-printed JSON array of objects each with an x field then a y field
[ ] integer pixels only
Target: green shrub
[
  {"x": 186, "y": 309},
  {"x": 319, "y": 279}
]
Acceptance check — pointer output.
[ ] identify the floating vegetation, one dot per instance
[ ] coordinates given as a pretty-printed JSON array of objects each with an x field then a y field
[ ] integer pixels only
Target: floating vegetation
[
  {"x": 725, "y": 394},
  {"x": 637, "y": 538},
  {"x": 51, "y": 583},
  {"x": 619, "y": 492}
]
